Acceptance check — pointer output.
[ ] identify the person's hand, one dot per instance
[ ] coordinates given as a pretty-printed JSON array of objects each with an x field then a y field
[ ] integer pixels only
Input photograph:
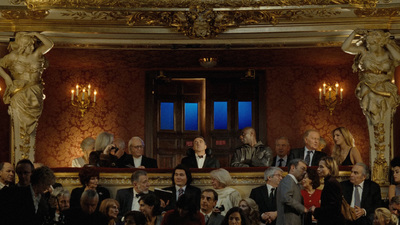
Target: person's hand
[
  {"x": 216, "y": 210},
  {"x": 163, "y": 204},
  {"x": 305, "y": 210},
  {"x": 119, "y": 153},
  {"x": 271, "y": 216},
  {"x": 359, "y": 212},
  {"x": 108, "y": 148},
  {"x": 312, "y": 209}
]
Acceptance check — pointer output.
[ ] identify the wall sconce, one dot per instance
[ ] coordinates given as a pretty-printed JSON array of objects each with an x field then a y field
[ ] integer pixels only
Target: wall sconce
[
  {"x": 329, "y": 96},
  {"x": 81, "y": 98},
  {"x": 208, "y": 62},
  {"x": 250, "y": 75}
]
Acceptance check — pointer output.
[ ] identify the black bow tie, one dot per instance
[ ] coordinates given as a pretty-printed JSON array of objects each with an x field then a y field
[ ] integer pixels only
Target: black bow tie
[
  {"x": 139, "y": 195},
  {"x": 200, "y": 156}
]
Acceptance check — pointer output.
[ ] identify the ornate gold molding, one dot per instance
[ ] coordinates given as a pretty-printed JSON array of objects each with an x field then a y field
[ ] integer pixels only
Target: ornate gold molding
[
  {"x": 131, "y": 4},
  {"x": 391, "y": 12},
  {"x": 24, "y": 14}
]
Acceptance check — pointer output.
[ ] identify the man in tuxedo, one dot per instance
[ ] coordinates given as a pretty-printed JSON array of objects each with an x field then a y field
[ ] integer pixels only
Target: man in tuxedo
[
  {"x": 7, "y": 174},
  {"x": 29, "y": 204},
  {"x": 24, "y": 170},
  {"x": 362, "y": 194},
  {"x": 136, "y": 159},
  {"x": 282, "y": 148},
  {"x": 200, "y": 156},
  {"x": 265, "y": 195},
  {"x": 208, "y": 201},
  {"x": 309, "y": 153},
  {"x": 128, "y": 198},
  {"x": 251, "y": 153},
  {"x": 181, "y": 180},
  {"x": 289, "y": 201}
]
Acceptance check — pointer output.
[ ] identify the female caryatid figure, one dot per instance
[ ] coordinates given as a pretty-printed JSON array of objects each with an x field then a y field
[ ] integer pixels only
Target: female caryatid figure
[
  {"x": 24, "y": 65},
  {"x": 376, "y": 60}
]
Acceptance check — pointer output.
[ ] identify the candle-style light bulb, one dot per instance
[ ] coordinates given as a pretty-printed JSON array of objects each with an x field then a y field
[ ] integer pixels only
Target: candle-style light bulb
[
  {"x": 330, "y": 92},
  {"x": 83, "y": 94},
  {"x": 95, "y": 93},
  {"x": 89, "y": 90},
  {"x": 320, "y": 94},
  {"x": 77, "y": 90},
  {"x": 336, "y": 87},
  {"x": 324, "y": 88},
  {"x": 341, "y": 93},
  {"x": 72, "y": 95}
]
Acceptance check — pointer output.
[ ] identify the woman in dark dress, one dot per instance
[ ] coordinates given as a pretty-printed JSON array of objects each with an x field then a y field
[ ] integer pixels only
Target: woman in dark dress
[
  {"x": 89, "y": 178},
  {"x": 331, "y": 196},
  {"x": 344, "y": 151}
]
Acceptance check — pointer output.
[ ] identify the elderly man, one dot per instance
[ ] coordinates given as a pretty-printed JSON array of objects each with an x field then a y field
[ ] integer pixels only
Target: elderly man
[
  {"x": 309, "y": 153},
  {"x": 208, "y": 200},
  {"x": 86, "y": 214},
  {"x": 362, "y": 194},
  {"x": 7, "y": 174},
  {"x": 59, "y": 201},
  {"x": 289, "y": 201},
  {"x": 136, "y": 159},
  {"x": 200, "y": 156},
  {"x": 394, "y": 205},
  {"x": 251, "y": 153},
  {"x": 128, "y": 198},
  {"x": 24, "y": 170},
  {"x": 282, "y": 148},
  {"x": 265, "y": 195}
]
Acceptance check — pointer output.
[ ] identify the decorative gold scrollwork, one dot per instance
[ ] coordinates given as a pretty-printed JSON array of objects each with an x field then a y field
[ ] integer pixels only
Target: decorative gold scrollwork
[{"x": 24, "y": 14}]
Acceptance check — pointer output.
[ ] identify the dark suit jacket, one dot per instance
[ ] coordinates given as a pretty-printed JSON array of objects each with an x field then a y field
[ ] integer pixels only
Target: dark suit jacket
[
  {"x": 191, "y": 191},
  {"x": 274, "y": 161},
  {"x": 215, "y": 219},
  {"x": 298, "y": 153},
  {"x": 370, "y": 200},
  {"x": 191, "y": 162},
  {"x": 125, "y": 198},
  {"x": 126, "y": 160},
  {"x": 17, "y": 207},
  {"x": 331, "y": 201},
  {"x": 76, "y": 194},
  {"x": 263, "y": 200}
]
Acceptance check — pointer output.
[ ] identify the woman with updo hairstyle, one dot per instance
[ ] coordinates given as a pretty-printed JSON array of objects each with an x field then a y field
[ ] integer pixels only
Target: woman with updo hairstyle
[
  {"x": 235, "y": 216},
  {"x": 110, "y": 208},
  {"x": 394, "y": 187},
  {"x": 250, "y": 209},
  {"x": 344, "y": 151},
  {"x": 87, "y": 146},
  {"x": 227, "y": 196},
  {"x": 89, "y": 178},
  {"x": 384, "y": 217},
  {"x": 329, "y": 213}
]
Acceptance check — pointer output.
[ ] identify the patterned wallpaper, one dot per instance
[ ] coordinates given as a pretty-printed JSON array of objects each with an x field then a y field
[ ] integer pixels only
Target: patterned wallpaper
[{"x": 292, "y": 80}]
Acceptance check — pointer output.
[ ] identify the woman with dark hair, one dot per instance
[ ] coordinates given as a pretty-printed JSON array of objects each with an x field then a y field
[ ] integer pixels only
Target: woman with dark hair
[
  {"x": 331, "y": 197},
  {"x": 89, "y": 178},
  {"x": 186, "y": 213},
  {"x": 181, "y": 180},
  {"x": 394, "y": 188},
  {"x": 150, "y": 207},
  {"x": 134, "y": 218},
  {"x": 310, "y": 193},
  {"x": 235, "y": 216}
]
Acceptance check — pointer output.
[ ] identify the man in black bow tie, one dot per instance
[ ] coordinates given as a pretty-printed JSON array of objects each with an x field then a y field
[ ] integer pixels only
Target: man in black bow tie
[
  {"x": 200, "y": 156},
  {"x": 128, "y": 198}
]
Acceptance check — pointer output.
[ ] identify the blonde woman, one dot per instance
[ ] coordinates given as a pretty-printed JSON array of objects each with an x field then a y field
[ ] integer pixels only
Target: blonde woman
[
  {"x": 384, "y": 217},
  {"x": 87, "y": 146},
  {"x": 227, "y": 196},
  {"x": 250, "y": 209},
  {"x": 344, "y": 151}
]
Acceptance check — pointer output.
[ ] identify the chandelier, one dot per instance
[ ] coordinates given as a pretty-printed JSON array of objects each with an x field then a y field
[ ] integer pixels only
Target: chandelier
[
  {"x": 83, "y": 98},
  {"x": 330, "y": 96}
]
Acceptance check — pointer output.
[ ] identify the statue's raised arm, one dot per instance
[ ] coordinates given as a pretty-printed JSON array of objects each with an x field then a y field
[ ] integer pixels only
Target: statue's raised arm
[{"x": 22, "y": 71}]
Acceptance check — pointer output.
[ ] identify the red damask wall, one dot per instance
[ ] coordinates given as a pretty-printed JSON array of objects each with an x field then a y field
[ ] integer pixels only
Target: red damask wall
[{"x": 291, "y": 94}]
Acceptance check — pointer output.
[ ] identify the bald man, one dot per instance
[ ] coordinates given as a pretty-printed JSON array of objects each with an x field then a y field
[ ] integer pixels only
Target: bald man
[{"x": 252, "y": 152}]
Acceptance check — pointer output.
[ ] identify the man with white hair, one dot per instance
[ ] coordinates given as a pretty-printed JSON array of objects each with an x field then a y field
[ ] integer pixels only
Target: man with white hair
[
  {"x": 265, "y": 195},
  {"x": 136, "y": 159}
]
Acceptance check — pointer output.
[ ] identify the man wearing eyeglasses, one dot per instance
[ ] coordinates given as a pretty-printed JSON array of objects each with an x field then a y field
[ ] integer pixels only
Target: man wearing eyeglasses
[{"x": 136, "y": 159}]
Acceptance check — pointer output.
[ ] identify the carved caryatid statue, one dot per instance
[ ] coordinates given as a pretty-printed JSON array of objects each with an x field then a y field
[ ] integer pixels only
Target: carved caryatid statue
[
  {"x": 377, "y": 56},
  {"x": 22, "y": 71}
]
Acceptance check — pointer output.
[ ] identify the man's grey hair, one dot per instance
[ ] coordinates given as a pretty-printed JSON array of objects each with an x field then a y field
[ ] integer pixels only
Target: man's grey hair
[
  {"x": 89, "y": 194},
  {"x": 60, "y": 191},
  {"x": 119, "y": 143},
  {"x": 130, "y": 143},
  {"x": 135, "y": 176},
  {"x": 295, "y": 162},
  {"x": 365, "y": 169},
  {"x": 270, "y": 172}
]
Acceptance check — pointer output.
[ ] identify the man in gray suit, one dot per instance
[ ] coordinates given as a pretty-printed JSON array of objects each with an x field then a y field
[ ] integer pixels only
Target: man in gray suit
[
  {"x": 289, "y": 202},
  {"x": 208, "y": 201}
]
